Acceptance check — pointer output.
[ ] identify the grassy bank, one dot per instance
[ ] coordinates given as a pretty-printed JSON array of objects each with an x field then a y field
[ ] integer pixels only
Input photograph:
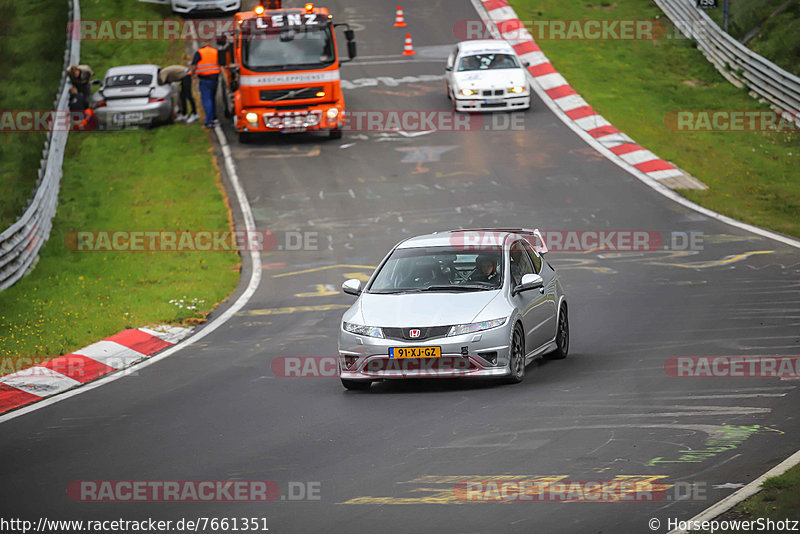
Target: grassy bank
[
  {"x": 778, "y": 501},
  {"x": 160, "y": 179},
  {"x": 31, "y": 60},
  {"x": 637, "y": 85}
]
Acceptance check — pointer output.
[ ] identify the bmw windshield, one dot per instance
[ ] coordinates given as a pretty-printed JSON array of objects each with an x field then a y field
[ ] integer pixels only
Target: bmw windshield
[
  {"x": 415, "y": 270},
  {"x": 304, "y": 47}
]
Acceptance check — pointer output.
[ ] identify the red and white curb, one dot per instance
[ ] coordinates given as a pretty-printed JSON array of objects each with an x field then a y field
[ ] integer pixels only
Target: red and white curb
[
  {"x": 85, "y": 365},
  {"x": 511, "y": 29}
]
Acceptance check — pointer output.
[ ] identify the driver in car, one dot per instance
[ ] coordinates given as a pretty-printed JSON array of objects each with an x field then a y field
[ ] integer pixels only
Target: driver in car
[{"x": 485, "y": 270}]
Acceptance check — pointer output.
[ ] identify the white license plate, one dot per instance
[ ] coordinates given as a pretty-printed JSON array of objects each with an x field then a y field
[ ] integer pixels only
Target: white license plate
[
  {"x": 127, "y": 118},
  {"x": 204, "y": 6},
  {"x": 294, "y": 129}
]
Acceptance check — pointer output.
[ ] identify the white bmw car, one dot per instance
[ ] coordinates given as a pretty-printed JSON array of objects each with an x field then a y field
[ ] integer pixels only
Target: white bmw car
[{"x": 486, "y": 75}]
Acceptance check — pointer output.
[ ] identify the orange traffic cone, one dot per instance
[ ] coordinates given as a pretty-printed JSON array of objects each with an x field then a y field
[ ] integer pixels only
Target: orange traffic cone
[
  {"x": 399, "y": 21},
  {"x": 408, "y": 49}
]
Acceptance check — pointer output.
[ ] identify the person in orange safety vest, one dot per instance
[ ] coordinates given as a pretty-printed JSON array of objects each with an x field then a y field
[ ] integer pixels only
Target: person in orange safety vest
[{"x": 205, "y": 65}]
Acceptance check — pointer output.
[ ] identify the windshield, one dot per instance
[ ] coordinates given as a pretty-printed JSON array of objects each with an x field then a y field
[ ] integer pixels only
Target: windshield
[
  {"x": 129, "y": 80},
  {"x": 306, "y": 46},
  {"x": 439, "y": 269},
  {"x": 488, "y": 62}
]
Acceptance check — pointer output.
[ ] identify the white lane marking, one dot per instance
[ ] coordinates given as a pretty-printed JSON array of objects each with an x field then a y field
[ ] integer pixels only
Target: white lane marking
[
  {"x": 571, "y": 102},
  {"x": 549, "y": 81},
  {"x": 111, "y": 354},
  {"x": 639, "y": 156},
  {"x": 247, "y": 294},
  {"x": 534, "y": 58},
  {"x": 39, "y": 381},
  {"x": 591, "y": 122},
  {"x": 667, "y": 173}
]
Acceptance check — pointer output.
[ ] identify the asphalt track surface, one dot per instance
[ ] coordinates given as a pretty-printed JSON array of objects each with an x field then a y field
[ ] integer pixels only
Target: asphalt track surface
[{"x": 217, "y": 411}]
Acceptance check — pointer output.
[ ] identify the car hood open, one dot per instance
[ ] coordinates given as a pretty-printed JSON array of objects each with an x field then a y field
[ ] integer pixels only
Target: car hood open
[{"x": 423, "y": 309}]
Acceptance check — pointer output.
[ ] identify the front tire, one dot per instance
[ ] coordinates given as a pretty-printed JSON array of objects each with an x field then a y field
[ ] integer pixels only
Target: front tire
[
  {"x": 245, "y": 138},
  {"x": 562, "y": 336},
  {"x": 516, "y": 357},
  {"x": 356, "y": 385},
  {"x": 335, "y": 134}
]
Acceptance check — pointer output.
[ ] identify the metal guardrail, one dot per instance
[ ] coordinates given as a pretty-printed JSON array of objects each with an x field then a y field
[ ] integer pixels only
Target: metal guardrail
[
  {"x": 21, "y": 242},
  {"x": 737, "y": 63}
]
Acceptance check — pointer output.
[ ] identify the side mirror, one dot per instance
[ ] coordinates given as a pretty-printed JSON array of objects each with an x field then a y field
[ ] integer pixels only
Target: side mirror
[
  {"x": 529, "y": 281},
  {"x": 526, "y": 64},
  {"x": 350, "y": 35},
  {"x": 352, "y": 287},
  {"x": 351, "y": 49},
  {"x": 449, "y": 68}
]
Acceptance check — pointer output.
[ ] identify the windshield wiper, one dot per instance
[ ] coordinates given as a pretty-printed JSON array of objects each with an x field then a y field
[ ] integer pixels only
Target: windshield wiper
[{"x": 466, "y": 287}]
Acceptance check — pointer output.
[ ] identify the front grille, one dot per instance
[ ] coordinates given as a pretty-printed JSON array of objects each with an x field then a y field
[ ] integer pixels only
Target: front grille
[
  {"x": 493, "y": 92},
  {"x": 494, "y": 105},
  {"x": 301, "y": 94},
  {"x": 403, "y": 334}
]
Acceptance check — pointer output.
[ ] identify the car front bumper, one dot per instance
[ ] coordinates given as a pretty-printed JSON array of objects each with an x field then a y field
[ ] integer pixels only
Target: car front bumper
[
  {"x": 479, "y": 354},
  {"x": 200, "y": 6},
  {"x": 504, "y": 103}
]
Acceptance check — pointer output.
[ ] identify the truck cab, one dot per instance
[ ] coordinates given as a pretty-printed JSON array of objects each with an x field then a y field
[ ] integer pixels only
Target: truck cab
[{"x": 281, "y": 71}]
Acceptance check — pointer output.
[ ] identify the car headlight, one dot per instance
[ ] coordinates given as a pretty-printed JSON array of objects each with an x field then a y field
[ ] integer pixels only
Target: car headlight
[
  {"x": 468, "y": 92},
  {"x": 252, "y": 118},
  {"x": 460, "y": 329},
  {"x": 361, "y": 330},
  {"x": 518, "y": 89},
  {"x": 332, "y": 113}
]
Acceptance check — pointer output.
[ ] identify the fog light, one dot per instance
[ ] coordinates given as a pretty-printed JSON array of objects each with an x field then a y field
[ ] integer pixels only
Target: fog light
[
  {"x": 252, "y": 118},
  {"x": 332, "y": 113}
]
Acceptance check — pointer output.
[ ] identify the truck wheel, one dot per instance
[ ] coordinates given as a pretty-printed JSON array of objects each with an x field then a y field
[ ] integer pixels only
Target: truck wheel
[
  {"x": 245, "y": 138},
  {"x": 335, "y": 134}
]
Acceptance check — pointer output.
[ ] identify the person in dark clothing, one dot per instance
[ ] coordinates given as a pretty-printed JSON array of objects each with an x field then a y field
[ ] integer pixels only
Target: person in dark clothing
[
  {"x": 81, "y": 77},
  {"x": 179, "y": 73},
  {"x": 485, "y": 270}
]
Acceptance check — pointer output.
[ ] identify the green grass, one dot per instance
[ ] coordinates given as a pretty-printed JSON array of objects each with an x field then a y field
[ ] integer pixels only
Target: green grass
[
  {"x": 31, "y": 60},
  {"x": 752, "y": 176},
  {"x": 160, "y": 179},
  {"x": 778, "y": 501}
]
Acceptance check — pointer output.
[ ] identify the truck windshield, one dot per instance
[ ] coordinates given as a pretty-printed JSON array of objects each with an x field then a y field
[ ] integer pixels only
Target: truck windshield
[{"x": 305, "y": 47}]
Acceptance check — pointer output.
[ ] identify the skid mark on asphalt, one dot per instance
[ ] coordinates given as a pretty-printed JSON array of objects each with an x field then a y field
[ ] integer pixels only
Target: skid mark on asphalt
[
  {"x": 294, "y": 309},
  {"x": 518, "y": 488},
  {"x": 325, "y": 268}
]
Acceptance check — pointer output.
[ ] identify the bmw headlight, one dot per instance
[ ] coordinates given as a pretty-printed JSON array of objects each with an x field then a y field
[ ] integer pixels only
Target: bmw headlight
[
  {"x": 468, "y": 92},
  {"x": 460, "y": 329},
  {"x": 361, "y": 330},
  {"x": 518, "y": 89}
]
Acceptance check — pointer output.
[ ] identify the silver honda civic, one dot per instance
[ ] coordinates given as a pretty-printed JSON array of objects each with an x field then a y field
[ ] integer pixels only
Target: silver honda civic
[{"x": 463, "y": 303}]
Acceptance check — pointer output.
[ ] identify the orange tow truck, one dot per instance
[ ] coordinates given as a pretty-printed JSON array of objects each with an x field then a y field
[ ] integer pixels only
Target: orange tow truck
[{"x": 281, "y": 71}]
